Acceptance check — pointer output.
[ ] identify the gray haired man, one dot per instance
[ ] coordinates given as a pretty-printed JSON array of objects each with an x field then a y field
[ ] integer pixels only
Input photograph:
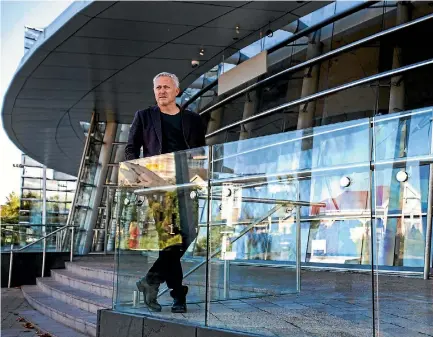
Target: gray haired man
[{"x": 167, "y": 128}]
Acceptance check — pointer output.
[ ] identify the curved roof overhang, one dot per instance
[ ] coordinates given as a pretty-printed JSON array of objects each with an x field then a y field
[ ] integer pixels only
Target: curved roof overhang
[{"x": 102, "y": 56}]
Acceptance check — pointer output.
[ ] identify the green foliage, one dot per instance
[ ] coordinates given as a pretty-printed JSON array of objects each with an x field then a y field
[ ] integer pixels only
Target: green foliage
[{"x": 10, "y": 210}]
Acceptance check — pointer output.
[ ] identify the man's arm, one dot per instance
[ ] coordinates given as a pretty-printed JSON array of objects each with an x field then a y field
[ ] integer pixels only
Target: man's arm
[{"x": 135, "y": 139}]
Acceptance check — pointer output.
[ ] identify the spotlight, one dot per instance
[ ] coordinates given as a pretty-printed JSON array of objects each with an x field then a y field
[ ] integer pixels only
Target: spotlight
[
  {"x": 201, "y": 52},
  {"x": 345, "y": 182},
  {"x": 269, "y": 33},
  {"x": 401, "y": 176},
  {"x": 235, "y": 38}
]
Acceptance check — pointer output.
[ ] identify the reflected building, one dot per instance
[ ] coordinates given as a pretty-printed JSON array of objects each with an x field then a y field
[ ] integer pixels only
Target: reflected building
[{"x": 46, "y": 197}]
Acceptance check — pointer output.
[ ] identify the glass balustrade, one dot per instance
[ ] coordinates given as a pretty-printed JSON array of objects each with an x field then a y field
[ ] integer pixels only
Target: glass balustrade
[{"x": 245, "y": 216}]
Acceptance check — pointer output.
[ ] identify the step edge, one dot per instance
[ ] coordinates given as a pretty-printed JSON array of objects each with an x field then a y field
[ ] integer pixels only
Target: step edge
[
  {"x": 25, "y": 315},
  {"x": 51, "y": 310},
  {"x": 40, "y": 280},
  {"x": 79, "y": 279}
]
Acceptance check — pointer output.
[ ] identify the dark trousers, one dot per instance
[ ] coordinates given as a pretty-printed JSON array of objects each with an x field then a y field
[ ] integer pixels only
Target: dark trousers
[{"x": 167, "y": 268}]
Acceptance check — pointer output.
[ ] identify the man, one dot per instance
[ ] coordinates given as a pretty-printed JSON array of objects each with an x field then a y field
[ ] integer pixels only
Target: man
[{"x": 166, "y": 128}]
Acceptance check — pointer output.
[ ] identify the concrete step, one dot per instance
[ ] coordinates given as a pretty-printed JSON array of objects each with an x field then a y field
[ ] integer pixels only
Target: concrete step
[
  {"x": 80, "y": 320},
  {"x": 45, "y": 324},
  {"x": 101, "y": 271},
  {"x": 89, "y": 284},
  {"x": 78, "y": 298}
]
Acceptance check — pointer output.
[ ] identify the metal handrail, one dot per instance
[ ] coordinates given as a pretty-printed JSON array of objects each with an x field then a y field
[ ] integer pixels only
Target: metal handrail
[
  {"x": 317, "y": 59},
  {"x": 326, "y": 92},
  {"x": 44, "y": 239}
]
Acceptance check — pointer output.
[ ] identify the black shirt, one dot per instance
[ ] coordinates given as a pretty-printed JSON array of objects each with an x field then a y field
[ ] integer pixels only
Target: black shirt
[{"x": 172, "y": 133}]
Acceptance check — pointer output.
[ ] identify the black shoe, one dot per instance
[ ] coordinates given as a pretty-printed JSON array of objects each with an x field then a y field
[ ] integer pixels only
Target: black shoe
[
  {"x": 179, "y": 302},
  {"x": 150, "y": 292}
]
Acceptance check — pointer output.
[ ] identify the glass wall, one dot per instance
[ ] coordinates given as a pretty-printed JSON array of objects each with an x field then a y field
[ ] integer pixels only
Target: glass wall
[
  {"x": 345, "y": 197},
  {"x": 57, "y": 189}
]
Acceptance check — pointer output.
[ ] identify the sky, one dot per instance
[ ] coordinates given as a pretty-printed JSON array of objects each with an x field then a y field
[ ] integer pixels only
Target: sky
[{"x": 14, "y": 15}]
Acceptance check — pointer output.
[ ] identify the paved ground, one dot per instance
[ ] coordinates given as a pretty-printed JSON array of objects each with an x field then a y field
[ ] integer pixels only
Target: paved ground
[
  {"x": 12, "y": 301},
  {"x": 329, "y": 304},
  {"x": 20, "y": 320}
]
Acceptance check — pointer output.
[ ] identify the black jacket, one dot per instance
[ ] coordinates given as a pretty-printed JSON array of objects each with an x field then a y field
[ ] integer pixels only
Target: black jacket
[{"x": 146, "y": 132}]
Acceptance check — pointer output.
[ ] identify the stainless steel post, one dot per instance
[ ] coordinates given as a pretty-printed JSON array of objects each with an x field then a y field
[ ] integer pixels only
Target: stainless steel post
[
  {"x": 298, "y": 248},
  {"x": 107, "y": 219},
  {"x": 72, "y": 244},
  {"x": 44, "y": 200},
  {"x": 135, "y": 298},
  {"x": 10, "y": 266},
  {"x": 44, "y": 250},
  {"x": 428, "y": 234},
  {"x": 226, "y": 279}
]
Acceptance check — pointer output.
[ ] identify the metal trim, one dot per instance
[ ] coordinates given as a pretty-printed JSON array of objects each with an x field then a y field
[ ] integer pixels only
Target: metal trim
[
  {"x": 317, "y": 59},
  {"x": 326, "y": 92}
]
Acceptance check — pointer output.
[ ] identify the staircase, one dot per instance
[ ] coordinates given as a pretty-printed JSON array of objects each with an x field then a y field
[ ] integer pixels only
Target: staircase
[{"x": 72, "y": 296}]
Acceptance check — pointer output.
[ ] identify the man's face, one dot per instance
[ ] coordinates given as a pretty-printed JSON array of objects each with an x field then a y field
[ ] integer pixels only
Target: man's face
[{"x": 165, "y": 91}]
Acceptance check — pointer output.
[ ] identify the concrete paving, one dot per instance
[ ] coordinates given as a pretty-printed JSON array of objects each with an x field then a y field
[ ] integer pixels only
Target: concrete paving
[
  {"x": 262, "y": 300},
  {"x": 20, "y": 320},
  {"x": 329, "y": 304}
]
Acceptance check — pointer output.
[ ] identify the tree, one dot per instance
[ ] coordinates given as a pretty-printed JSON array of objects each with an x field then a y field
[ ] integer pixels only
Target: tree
[{"x": 10, "y": 210}]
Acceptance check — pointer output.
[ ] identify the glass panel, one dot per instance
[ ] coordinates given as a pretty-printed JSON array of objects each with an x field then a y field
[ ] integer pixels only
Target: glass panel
[
  {"x": 31, "y": 194},
  {"x": 33, "y": 172},
  {"x": 328, "y": 166},
  {"x": 158, "y": 215},
  {"x": 402, "y": 144},
  {"x": 32, "y": 183},
  {"x": 403, "y": 135}
]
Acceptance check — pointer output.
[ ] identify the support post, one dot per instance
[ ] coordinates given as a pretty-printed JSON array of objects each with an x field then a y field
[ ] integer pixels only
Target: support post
[
  {"x": 107, "y": 219},
  {"x": 298, "y": 249},
  {"x": 428, "y": 233},
  {"x": 250, "y": 108},
  {"x": 214, "y": 124},
  {"x": 72, "y": 244},
  {"x": 44, "y": 200},
  {"x": 397, "y": 91},
  {"x": 11, "y": 258},
  {"x": 44, "y": 253},
  {"x": 101, "y": 175},
  {"x": 310, "y": 84},
  {"x": 226, "y": 279}
]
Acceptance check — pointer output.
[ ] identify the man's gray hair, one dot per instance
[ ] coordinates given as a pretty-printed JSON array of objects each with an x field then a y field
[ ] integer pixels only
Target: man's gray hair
[{"x": 172, "y": 76}]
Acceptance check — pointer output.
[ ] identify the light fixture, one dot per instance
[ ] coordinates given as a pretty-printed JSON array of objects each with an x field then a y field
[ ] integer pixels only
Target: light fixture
[
  {"x": 237, "y": 32},
  {"x": 193, "y": 194},
  {"x": 345, "y": 182},
  {"x": 402, "y": 176},
  {"x": 228, "y": 193},
  {"x": 269, "y": 33},
  {"x": 201, "y": 52}
]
